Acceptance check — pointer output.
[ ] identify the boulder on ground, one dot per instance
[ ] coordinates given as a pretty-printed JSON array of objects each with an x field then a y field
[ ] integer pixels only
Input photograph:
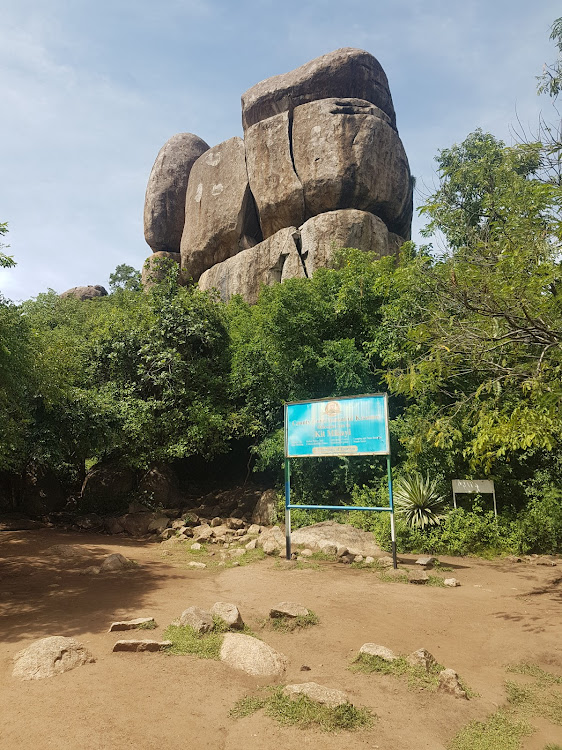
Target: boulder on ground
[
  {"x": 107, "y": 483},
  {"x": 115, "y": 561},
  {"x": 272, "y": 540},
  {"x": 288, "y": 609},
  {"x": 318, "y": 693},
  {"x": 202, "y": 532},
  {"x": 251, "y": 655},
  {"x": 270, "y": 262},
  {"x": 85, "y": 292},
  {"x": 373, "y": 649},
  {"x": 452, "y": 582},
  {"x": 164, "y": 203},
  {"x": 220, "y": 213},
  {"x": 345, "y": 72},
  {"x": 356, "y": 541},
  {"x": 421, "y": 658},
  {"x": 228, "y": 613},
  {"x": 418, "y": 577},
  {"x": 132, "y": 624},
  {"x": 449, "y": 683},
  {"x": 265, "y": 511},
  {"x": 347, "y": 155},
  {"x": 197, "y": 619},
  {"x": 41, "y": 491},
  {"x": 322, "y": 235},
  {"x": 145, "y": 644},
  {"x": 49, "y": 657},
  {"x": 274, "y": 183}
]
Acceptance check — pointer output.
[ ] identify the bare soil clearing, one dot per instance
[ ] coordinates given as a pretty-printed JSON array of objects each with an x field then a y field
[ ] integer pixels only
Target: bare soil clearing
[{"x": 503, "y": 613}]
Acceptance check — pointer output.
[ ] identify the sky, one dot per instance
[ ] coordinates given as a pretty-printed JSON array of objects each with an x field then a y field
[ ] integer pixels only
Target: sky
[{"x": 91, "y": 90}]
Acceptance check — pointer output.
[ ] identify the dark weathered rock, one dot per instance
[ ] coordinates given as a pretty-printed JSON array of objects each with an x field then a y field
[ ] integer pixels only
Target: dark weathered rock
[
  {"x": 273, "y": 180},
  {"x": 159, "y": 484},
  {"x": 107, "y": 481},
  {"x": 85, "y": 292},
  {"x": 322, "y": 235},
  {"x": 265, "y": 512},
  {"x": 41, "y": 491},
  {"x": 49, "y": 657},
  {"x": 164, "y": 203},
  {"x": 345, "y": 72},
  {"x": 347, "y": 155},
  {"x": 269, "y": 262},
  {"x": 157, "y": 266},
  {"x": 220, "y": 213}
]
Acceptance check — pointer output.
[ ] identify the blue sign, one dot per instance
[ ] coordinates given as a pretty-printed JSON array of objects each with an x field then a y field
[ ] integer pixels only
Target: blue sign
[{"x": 350, "y": 426}]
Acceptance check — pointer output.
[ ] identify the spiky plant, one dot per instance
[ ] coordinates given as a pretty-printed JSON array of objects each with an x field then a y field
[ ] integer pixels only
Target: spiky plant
[{"x": 417, "y": 500}]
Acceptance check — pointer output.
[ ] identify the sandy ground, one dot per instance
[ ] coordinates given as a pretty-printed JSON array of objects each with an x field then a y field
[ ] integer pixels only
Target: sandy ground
[{"x": 502, "y": 613}]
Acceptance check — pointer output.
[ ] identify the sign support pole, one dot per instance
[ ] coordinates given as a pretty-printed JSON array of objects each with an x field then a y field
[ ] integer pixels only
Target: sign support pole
[
  {"x": 287, "y": 509},
  {"x": 391, "y": 501}
]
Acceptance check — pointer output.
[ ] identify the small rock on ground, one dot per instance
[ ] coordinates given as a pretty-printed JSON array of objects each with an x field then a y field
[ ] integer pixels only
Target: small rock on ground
[
  {"x": 198, "y": 565},
  {"x": 142, "y": 645},
  {"x": 421, "y": 658},
  {"x": 229, "y": 613},
  {"x": 373, "y": 649},
  {"x": 197, "y": 618},
  {"x": 425, "y": 561},
  {"x": 251, "y": 655},
  {"x": 451, "y": 582},
  {"x": 49, "y": 657},
  {"x": 288, "y": 609},
  {"x": 115, "y": 562},
  {"x": 449, "y": 683},
  {"x": 327, "y": 696},
  {"x": 418, "y": 576},
  {"x": 131, "y": 624}
]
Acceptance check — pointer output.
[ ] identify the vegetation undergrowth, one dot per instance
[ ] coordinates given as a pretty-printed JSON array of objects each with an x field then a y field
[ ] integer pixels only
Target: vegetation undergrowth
[
  {"x": 303, "y": 712},
  {"x": 418, "y": 677},
  {"x": 290, "y": 624},
  {"x": 147, "y": 625}
]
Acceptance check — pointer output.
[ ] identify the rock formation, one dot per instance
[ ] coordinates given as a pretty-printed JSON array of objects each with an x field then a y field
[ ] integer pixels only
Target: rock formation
[
  {"x": 85, "y": 292},
  {"x": 321, "y": 166}
]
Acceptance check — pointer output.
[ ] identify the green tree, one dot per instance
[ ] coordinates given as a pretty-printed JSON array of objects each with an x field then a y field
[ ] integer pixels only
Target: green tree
[
  {"x": 6, "y": 261},
  {"x": 550, "y": 82},
  {"x": 125, "y": 277}
]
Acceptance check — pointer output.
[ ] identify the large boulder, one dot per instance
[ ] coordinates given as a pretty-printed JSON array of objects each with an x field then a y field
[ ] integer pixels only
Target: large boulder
[
  {"x": 270, "y": 262},
  {"x": 274, "y": 183},
  {"x": 107, "y": 484},
  {"x": 265, "y": 512},
  {"x": 345, "y": 72},
  {"x": 85, "y": 292},
  {"x": 157, "y": 265},
  {"x": 41, "y": 491},
  {"x": 331, "y": 533},
  {"x": 322, "y": 235},
  {"x": 158, "y": 485},
  {"x": 251, "y": 655},
  {"x": 220, "y": 212},
  {"x": 348, "y": 155},
  {"x": 49, "y": 657},
  {"x": 164, "y": 203}
]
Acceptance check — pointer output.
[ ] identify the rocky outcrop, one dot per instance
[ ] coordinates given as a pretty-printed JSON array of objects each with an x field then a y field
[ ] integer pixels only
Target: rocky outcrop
[
  {"x": 269, "y": 262},
  {"x": 85, "y": 292},
  {"x": 220, "y": 213},
  {"x": 164, "y": 203},
  {"x": 157, "y": 266},
  {"x": 321, "y": 167},
  {"x": 345, "y": 72}
]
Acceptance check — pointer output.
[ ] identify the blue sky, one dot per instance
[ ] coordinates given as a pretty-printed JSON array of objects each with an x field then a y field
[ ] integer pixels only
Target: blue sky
[{"x": 90, "y": 91}]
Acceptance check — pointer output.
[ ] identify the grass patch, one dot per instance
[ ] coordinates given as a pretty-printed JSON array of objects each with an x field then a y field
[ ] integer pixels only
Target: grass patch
[
  {"x": 418, "y": 677},
  {"x": 552, "y": 747},
  {"x": 390, "y": 578},
  {"x": 147, "y": 625},
  {"x": 289, "y": 624},
  {"x": 185, "y": 640},
  {"x": 501, "y": 731},
  {"x": 303, "y": 712},
  {"x": 436, "y": 581}
]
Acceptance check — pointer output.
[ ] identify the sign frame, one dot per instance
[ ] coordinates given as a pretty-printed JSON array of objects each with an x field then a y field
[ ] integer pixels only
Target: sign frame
[
  {"x": 385, "y": 453},
  {"x": 473, "y": 487}
]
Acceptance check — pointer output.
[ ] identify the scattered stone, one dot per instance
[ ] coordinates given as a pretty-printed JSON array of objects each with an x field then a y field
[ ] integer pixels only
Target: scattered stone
[
  {"x": 330, "y": 550},
  {"x": 395, "y": 573},
  {"x": 251, "y": 655},
  {"x": 449, "y": 683},
  {"x": 178, "y": 524},
  {"x": 254, "y": 529},
  {"x": 271, "y": 540},
  {"x": 426, "y": 562},
  {"x": 318, "y": 693},
  {"x": 305, "y": 668},
  {"x": 373, "y": 649},
  {"x": 198, "y": 565},
  {"x": 158, "y": 524},
  {"x": 142, "y": 645},
  {"x": 115, "y": 562},
  {"x": 369, "y": 560},
  {"x": 197, "y": 618},
  {"x": 347, "y": 559},
  {"x": 419, "y": 577},
  {"x": 288, "y": 609},
  {"x": 251, "y": 545},
  {"x": 220, "y": 532},
  {"x": 216, "y": 522},
  {"x": 229, "y": 613},
  {"x": 385, "y": 562},
  {"x": 202, "y": 532},
  {"x": 195, "y": 546},
  {"x": 358, "y": 558},
  {"x": 421, "y": 658},
  {"x": 168, "y": 534},
  {"x": 306, "y": 553},
  {"x": 451, "y": 582},
  {"x": 49, "y": 657},
  {"x": 235, "y": 523},
  {"x": 131, "y": 624}
]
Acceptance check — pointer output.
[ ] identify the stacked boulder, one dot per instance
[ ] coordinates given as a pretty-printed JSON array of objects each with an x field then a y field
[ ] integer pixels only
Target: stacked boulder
[{"x": 321, "y": 166}]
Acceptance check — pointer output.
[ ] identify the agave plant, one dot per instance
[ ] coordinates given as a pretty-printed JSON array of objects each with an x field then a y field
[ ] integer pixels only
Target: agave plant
[{"x": 417, "y": 500}]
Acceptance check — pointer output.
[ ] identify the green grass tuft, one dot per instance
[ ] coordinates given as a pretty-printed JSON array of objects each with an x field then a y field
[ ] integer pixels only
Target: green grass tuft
[
  {"x": 147, "y": 626},
  {"x": 289, "y": 624},
  {"x": 303, "y": 712},
  {"x": 499, "y": 732},
  {"x": 185, "y": 640},
  {"x": 418, "y": 677}
]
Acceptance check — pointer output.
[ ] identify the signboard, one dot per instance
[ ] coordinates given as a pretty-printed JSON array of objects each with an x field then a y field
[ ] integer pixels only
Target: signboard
[
  {"x": 349, "y": 426},
  {"x": 470, "y": 486}
]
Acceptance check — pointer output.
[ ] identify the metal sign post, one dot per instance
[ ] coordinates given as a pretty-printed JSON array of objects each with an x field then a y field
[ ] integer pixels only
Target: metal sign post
[
  {"x": 348, "y": 426},
  {"x": 473, "y": 486}
]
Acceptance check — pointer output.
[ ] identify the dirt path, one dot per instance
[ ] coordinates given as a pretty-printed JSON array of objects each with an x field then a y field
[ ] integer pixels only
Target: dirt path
[{"x": 503, "y": 613}]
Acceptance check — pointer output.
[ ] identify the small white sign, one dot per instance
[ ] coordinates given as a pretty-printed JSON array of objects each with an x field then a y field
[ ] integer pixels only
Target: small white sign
[{"x": 473, "y": 485}]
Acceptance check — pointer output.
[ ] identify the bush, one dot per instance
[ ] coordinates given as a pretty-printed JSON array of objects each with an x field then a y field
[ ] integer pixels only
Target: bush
[{"x": 540, "y": 526}]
